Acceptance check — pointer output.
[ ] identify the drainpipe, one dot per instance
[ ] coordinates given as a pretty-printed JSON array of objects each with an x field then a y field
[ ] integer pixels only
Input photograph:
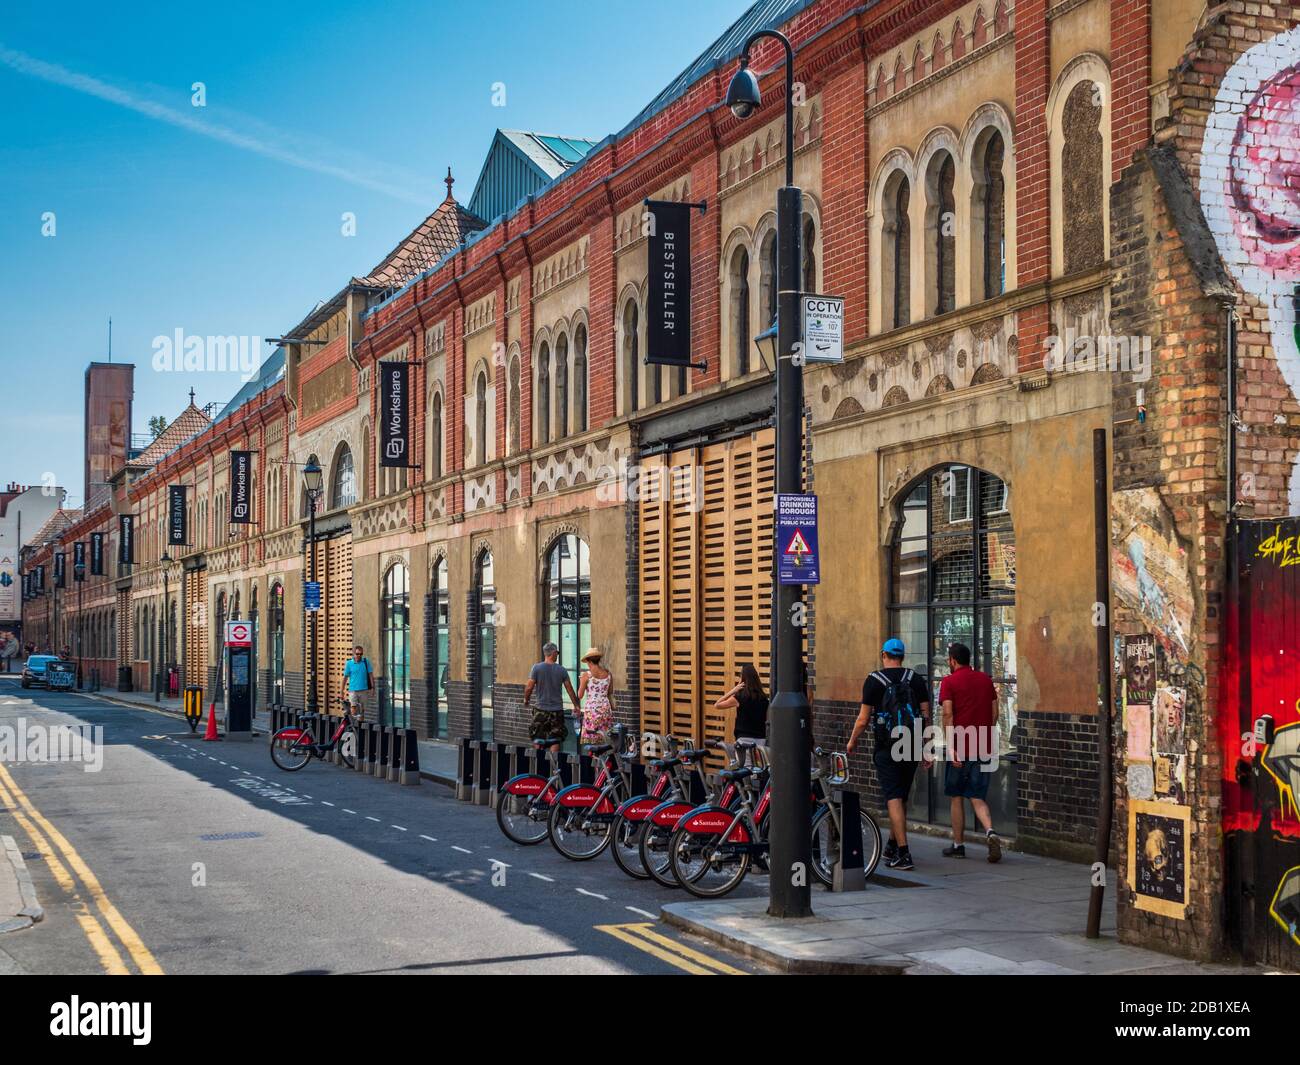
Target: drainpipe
[{"x": 1106, "y": 805}]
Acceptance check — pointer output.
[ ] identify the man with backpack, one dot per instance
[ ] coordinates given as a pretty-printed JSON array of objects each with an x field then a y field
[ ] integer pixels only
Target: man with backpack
[{"x": 896, "y": 704}]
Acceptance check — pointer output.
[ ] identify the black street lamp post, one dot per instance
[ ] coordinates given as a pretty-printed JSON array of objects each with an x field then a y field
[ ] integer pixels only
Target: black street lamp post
[
  {"x": 163, "y": 627},
  {"x": 79, "y": 576},
  {"x": 788, "y": 727},
  {"x": 313, "y": 480}
]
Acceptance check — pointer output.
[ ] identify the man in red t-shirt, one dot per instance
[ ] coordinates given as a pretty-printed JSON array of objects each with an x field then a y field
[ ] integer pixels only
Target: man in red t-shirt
[{"x": 970, "y": 712}]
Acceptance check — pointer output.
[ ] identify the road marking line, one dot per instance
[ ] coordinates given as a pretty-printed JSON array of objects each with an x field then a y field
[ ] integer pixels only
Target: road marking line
[
  {"x": 647, "y": 932},
  {"x": 643, "y": 913},
  {"x": 347, "y": 811},
  {"x": 539, "y": 876},
  {"x": 101, "y": 945},
  {"x": 140, "y": 954},
  {"x": 429, "y": 838},
  {"x": 324, "y": 803},
  {"x": 497, "y": 861},
  {"x": 461, "y": 849},
  {"x": 398, "y": 827},
  {"x": 374, "y": 819},
  {"x": 584, "y": 891},
  {"x": 621, "y": 932}
]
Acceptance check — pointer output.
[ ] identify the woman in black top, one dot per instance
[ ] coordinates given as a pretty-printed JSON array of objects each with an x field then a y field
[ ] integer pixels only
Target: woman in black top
[{"x": 750, "y": 702}]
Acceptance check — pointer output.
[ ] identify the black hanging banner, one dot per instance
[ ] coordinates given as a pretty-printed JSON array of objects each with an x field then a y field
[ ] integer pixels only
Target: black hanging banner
[
  {"x": 241, "y": 487},
  {"x": 27, "y": 586},
  {"x": 40, "y": 578},
  {"x": 668, "y": 334},
  {"x": 394, "y": 413},
  {"x": 97, "y": 554},
  {"x": 125, "y": 539},
  {"x": 178, "y": 533},
  {"x": 59, "y": 573},
  {"x": 79, "y": 560}
]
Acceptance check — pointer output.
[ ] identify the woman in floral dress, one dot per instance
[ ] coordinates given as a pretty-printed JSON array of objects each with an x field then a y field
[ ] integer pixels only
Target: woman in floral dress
[{"x": 597, "y": 708}]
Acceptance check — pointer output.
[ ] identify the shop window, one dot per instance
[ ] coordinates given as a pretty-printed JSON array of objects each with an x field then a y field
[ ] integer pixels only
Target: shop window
[{"x": 395, "y": 615}]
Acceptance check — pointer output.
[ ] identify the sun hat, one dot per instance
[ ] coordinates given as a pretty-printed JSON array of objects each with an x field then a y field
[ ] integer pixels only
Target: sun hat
[{"x": 592, "y": 652}]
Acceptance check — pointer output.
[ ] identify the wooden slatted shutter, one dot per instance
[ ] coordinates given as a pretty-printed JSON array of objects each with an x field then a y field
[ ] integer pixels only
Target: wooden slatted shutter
[
  {"x": 653, "y": 556},
  {"x": 194, "y": 628}
]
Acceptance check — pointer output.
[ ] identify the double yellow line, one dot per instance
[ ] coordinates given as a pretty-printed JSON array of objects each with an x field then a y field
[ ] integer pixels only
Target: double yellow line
[
  {"x": 96, "y": 925},
  {"x": 644, "y": 938}
]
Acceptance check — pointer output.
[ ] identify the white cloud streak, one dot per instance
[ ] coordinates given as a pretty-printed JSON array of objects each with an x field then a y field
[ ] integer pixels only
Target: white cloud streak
[{"x": 55, "y": 74}]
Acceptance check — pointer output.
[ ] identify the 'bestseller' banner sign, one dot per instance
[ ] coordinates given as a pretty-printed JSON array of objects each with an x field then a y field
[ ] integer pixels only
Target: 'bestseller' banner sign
[{"x": 668, "y": 326}]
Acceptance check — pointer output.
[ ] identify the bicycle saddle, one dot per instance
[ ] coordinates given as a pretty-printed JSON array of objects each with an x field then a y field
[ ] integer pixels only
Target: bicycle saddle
[{"x": 665, "y": 763}]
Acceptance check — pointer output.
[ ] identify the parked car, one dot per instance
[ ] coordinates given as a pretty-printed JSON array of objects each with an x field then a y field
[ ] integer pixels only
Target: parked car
[{"x": 34, "y": 670}]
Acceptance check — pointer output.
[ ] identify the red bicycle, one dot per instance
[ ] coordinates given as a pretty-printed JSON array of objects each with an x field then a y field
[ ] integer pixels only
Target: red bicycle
[{"x": 293, "y": 746}]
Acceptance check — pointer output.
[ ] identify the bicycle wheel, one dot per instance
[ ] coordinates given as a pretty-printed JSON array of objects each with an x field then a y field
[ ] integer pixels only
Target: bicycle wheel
[
  {"x": 523, "y": 819},
  {"x": 653, "y": 852},
  {"x": 627, "y": 847},
  {"x": 289, "y": 750},
  {"x": 700, "y": 869},
  {"x": 348, "y": 747},
  {"x": 826, "y": 845},
  {"x": 574, "y": 836}
]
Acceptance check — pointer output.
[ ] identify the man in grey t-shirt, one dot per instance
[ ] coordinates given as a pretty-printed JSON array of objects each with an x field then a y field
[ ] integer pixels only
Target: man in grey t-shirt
[{"x": 550, "y": 681}]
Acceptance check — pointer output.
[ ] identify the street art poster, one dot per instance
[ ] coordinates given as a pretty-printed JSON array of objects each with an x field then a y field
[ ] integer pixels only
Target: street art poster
[
  {"x": 1170, "y": 778},
  {"x": 1248, "y": 192},
  {"x": 1140, "y": 668},
  {"x": 1141, "y": 781},
  {"x": 1137, "y": 733},
  {"x": 1158, "y": 836},
  {"x": 1169, "y": 718},
  {"x": 1150, "y": 568}
]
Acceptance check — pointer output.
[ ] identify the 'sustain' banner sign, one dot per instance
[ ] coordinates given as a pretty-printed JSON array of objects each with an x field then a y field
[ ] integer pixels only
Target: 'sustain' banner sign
[
  {"x": 394, "y": 411},
  {"x": 177, "y": 530},
  {"x": 241, "y": 487},
  {"x": 668, "y": 332}
]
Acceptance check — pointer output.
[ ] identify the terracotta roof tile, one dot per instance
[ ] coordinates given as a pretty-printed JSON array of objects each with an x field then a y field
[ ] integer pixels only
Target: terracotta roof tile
[
  {"x": 442, "y": 232},
  {"x": 188, "y": 423}
]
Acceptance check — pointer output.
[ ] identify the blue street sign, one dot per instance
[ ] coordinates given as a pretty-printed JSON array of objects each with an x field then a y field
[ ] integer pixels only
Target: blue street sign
[
  {"x": 311, "y": 595},
  {"x": 796, "y": 538}
]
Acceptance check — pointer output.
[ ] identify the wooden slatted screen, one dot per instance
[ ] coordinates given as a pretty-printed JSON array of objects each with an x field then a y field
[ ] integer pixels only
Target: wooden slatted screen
[
  {"x": 334, "y": 622},
  {"x": 194, "y": 626},
  {"x": 706, "y": 564}
]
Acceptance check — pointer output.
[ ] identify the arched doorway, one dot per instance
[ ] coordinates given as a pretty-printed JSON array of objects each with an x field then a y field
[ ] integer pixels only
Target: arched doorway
[
  {"x": 395, "y": 613},
  {"x": 953, "y": 580}
]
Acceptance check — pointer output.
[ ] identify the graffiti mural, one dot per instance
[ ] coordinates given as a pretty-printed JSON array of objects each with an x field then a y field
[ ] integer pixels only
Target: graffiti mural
[
  {"x": 1150, "y": 570},
  {"x": 1250, "y": 191},
  {"x": 1261, "y": 683}
]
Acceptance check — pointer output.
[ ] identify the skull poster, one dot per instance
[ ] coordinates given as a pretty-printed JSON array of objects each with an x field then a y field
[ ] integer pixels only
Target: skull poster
[
  {"x": 1140, "y": 668},
  {"x": 1157, "y": 857}
]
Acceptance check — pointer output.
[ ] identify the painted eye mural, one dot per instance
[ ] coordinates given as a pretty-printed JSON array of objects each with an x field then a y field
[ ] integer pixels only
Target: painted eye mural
[{"x": 1250, "y": 191}]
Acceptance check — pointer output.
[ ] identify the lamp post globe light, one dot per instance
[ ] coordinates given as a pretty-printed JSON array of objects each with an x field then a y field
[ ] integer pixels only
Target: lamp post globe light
[
  {"x": 313, "y": 480},
  {"x": 789, "y": 734}
]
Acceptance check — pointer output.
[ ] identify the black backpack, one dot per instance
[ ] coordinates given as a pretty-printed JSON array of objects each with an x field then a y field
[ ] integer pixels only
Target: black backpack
[{"x": 896, "y": 710}]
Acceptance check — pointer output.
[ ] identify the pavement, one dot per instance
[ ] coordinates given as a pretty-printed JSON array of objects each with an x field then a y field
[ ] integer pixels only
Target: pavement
[
  {"x": 439, "y": 761},
  {"x": 1024, "y": 915},
  {"x": 19, "y": 907}
]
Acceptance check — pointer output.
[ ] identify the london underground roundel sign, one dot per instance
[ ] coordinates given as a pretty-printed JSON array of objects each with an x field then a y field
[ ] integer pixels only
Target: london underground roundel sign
[{"x": 239, "y": 633}]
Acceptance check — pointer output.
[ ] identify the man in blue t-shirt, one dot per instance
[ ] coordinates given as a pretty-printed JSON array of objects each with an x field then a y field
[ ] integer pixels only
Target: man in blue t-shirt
[{"x": 356, "y": 680}]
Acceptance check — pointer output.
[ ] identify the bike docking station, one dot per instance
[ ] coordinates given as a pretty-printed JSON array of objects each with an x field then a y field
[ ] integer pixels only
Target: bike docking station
[
  {"x": 237, "y": 666},
  {"x": 848, "y": 874},
  {"x": 389, "y": 752}
]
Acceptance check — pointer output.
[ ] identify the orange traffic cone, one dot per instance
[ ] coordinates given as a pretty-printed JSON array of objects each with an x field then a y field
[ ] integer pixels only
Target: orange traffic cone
[{"x": 211, "y": 733}]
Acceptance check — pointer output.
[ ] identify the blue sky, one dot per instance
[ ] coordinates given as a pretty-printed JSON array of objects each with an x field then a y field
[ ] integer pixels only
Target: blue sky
[{"x": 226, "y": 219}]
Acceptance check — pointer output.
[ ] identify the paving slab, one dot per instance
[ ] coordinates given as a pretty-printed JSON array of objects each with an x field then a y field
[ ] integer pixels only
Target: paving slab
[{"x": 19, "y": 907}]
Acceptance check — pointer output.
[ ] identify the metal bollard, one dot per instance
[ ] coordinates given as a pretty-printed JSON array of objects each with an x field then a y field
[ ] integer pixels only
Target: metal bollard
[
  {"x": 361, "y": 757},
  {"x": 465, "y": 771},
  {"x": 502, "y": 762},
  {"x": 848, "y": 874},
  {"x": 410, "y": 771},
  {"x": 395, "y": 739},
  {"x": 383, "y": 739},
  {"x": 482, "y": 773}
]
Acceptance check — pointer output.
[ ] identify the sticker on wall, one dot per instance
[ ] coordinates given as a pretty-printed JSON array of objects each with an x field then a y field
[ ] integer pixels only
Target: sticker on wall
[
  {"x": 1141, "y": 782},
  {"x": 1137, "y": 732},
  {"x": 1157, "y": 857},
  {"x": 1140, "y": 668},
  {"x": 1171, "y": 778}
]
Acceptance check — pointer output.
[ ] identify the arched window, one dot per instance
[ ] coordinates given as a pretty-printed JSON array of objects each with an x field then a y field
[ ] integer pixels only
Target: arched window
[
  {"x": 486, "y": 601},
  {"x": 277, "y": 643},
  {"x": 632, "y": 354},
  {"x": 566, "y": 602},
  {"x": 440, "y": 672},
  {"x": 395, "y": 624},
  {"x": 480, "y": 419},
  {"x": 435, "y": 437},
  {"x": 543, "y": 404},
  {"x": 954, "y": 579},
  {"x": 988, "y": 217},
  {"x": 767, "y": 286},
  {"x": 809, "y": 270},
  {"x": 1083, "y": 179},
  {"x": 896, "y": 253},
  {"x": 580, "y": 379},
  {"x": 562, "y": 386},
  {"x": 514, "y": 407},
  {"x": 941, "y": 233},
  {"x": 343, "y": 481},
  {"x": 740, "y": 311}
]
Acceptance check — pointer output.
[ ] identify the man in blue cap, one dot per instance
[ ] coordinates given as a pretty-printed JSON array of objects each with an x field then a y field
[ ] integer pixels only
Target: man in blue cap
[{"x": 896, "y": 703}]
